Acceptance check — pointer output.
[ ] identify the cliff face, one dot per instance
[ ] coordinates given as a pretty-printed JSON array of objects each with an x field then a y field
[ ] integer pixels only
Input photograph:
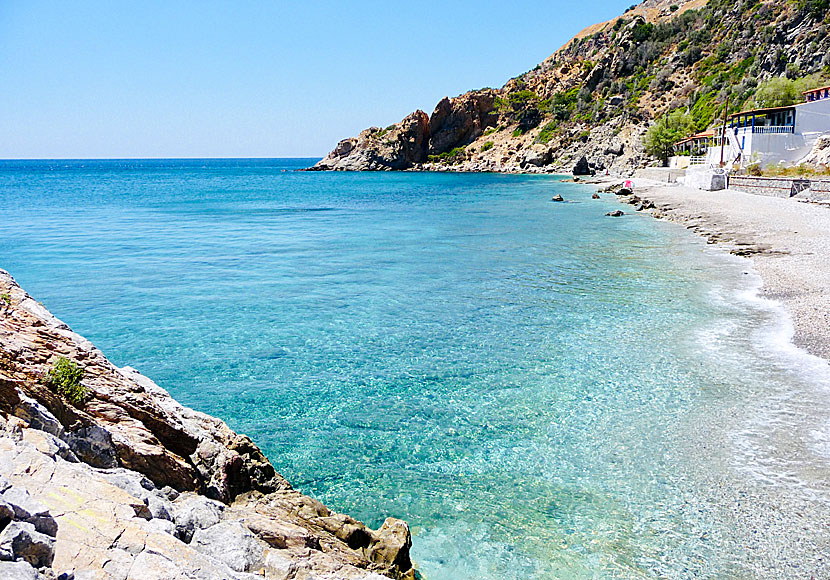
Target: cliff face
[
  {"x": 595, "y": 97},
  {"x": 138, "y": 486}
]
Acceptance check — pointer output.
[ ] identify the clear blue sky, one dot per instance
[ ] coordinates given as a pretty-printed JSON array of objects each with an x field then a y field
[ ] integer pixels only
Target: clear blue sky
[{"x": 83, "y": 79}]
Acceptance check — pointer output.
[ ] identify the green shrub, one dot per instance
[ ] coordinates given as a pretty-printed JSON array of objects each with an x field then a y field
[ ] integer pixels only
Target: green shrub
[
  {"x": 6, "y": 298},
  {"x": 448, "y": 157},
  {"x": 547, "y": 132},
  {"x": 518, "y": 132},
  {"x": 65, "y": 378},
  {"x": 487, "y": 146},
  {"x": 490, "y": 131}
]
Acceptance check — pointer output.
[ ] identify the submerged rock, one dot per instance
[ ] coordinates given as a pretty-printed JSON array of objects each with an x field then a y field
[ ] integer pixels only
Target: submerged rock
[
  {"x": 557, "y": 197},
  {"x": 616, "y": 213}
]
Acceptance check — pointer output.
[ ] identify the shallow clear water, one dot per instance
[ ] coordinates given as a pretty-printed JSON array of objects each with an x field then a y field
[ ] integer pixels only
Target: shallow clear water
[{"x": 541, "y": 391}]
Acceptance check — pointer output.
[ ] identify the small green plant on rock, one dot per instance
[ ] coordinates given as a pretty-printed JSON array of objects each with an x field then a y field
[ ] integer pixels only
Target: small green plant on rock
[
  {"x": 65, "y": 378},
  {"x": 6, "y": 299},
  {"x": 487, "y": 146}
]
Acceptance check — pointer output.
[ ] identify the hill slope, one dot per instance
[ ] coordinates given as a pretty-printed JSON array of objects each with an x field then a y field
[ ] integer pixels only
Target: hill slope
[{"x": 596, "y": 96}]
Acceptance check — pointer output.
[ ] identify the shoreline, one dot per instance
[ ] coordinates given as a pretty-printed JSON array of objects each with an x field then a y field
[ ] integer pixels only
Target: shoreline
[{"x": 787, "y": 242}]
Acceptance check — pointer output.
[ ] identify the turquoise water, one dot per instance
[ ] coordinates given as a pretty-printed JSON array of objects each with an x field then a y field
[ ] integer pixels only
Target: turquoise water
[{"x": 541, "y": 391}]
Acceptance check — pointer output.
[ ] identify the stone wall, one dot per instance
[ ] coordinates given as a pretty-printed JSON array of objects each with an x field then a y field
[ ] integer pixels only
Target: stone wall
[{"x": 781, "y": 186}]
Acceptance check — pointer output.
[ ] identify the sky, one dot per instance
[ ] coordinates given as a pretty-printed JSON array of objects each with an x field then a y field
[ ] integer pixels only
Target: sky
[{"x": 118, "y": 79}]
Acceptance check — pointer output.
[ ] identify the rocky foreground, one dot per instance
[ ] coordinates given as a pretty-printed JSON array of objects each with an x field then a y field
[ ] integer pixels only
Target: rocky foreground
[{"x": 103, "y": 475}]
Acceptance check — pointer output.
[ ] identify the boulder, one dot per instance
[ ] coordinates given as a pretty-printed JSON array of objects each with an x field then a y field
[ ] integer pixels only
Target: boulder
[
  {"x": 193, "y": 512},
  {"x": 158, "y": 506},
  {"x": 623, "y": 191},
  {"x": 232, "y": 544},
  {"x": 557, "y": 197},
  {"x": 595, "y": 196},
  {"x": 391, "y": 543},
  {"x": 616, "y": 100},
  {"x": 25, "y": 543},
  {"x": 614, "y": 148},
  {"x": 582, "y": 167},
  {"x": 93, "y": 445},
  {"x": 616, "y": 213},
  {"x": 37, "y": 416},
  {"x": 537, "y": 156},
  {"x": 27, "y": 509},
  {"x": 18, "y": 571}
]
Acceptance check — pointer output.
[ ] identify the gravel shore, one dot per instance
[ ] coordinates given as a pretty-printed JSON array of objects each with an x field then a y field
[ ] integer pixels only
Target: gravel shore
[{"x": 788, "y": 241}]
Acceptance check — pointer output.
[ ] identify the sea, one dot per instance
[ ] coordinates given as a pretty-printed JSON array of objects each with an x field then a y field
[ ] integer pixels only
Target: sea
[{"x": 539, "y": 390}]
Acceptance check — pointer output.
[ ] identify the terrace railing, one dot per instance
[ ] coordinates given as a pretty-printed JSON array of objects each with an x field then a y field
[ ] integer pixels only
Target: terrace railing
[{"x": 772, "y": 129}]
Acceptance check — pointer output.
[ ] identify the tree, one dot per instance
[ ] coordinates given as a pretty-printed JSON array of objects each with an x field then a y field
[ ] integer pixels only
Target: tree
[
  {"x": 783, "y": 92},
  {"x": 666, "y": 131},
  {"x": 776, "y": 92}
]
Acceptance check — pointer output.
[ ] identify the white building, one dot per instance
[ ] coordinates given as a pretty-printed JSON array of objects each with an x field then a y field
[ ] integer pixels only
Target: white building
[{"x": 773, "y": 135}]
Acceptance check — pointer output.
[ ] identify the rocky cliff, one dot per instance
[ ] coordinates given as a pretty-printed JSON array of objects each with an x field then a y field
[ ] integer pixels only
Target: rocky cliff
[
  {"x": 104, "y": 475},
  {"x": 588, "y": 105}
]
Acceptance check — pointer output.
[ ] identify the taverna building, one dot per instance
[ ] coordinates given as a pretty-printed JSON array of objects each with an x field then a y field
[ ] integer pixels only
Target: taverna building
[{"x": 771, "y": 136}]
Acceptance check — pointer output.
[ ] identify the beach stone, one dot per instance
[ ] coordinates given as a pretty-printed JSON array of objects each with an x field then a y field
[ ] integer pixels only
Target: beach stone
[
  {"x": 24, "y": 542},
  {"x": 232, "y": 544},
  {"x": 193, "y": 512},
  {"x": 616, "y": 213},
  {"x": 595, "y": 196},
  {"x": 557, "y": 198},
  {"x": 28, "y": 509}
]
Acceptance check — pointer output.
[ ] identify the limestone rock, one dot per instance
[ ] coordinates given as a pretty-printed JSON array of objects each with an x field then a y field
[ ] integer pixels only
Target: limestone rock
[
  {"x": 231, "y": 543},
  {"x": 582, "y": 167},
  {"x": 397, "y": 147},
  {"x": 537, "y": 155},
  {"x": 456, "y": 122},
  {"x": 193, "y": 512},
  {"x": 18, "y": 571},
  {"x": 614, "y": 148},
  {"x": 29, "y": 510},
  {"x": 93, "y": 445},
  {"x": 25, "y": 543}
]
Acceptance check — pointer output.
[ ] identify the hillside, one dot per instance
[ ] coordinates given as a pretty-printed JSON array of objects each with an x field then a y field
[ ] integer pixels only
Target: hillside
[{"x": 595, "y": 97}]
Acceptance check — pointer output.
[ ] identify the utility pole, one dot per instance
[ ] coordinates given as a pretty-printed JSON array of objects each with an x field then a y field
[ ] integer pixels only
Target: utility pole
[{"x": 723, "y": 130}]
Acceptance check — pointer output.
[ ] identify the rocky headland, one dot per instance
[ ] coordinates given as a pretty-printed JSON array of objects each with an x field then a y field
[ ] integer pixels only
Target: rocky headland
[
  {"x": 586, "y": 108},
  {"x": 103, "y": 475}
]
